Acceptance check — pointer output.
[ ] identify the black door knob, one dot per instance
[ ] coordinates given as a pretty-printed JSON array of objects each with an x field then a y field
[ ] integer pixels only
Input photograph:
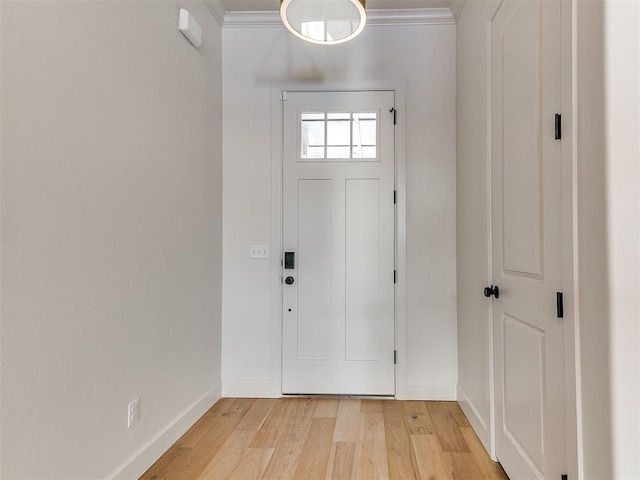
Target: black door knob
[
  {"x": 289, "y": 280},
  {"x": 492, "y": 290}
]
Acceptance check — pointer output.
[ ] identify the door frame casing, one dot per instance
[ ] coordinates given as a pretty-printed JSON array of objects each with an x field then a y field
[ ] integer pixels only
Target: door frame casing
[{"x": 277, "y": 138}]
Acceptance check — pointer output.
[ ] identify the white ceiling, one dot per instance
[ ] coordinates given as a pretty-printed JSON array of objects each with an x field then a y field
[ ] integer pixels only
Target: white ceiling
[{"x": 272, "y": 5}]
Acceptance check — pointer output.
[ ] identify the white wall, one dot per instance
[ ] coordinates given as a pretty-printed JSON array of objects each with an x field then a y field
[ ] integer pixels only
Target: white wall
[
  {"x": 111, "y": 233},
  {"x": 608, "y": 75},
  {"x": 474, "y": 321},
  {"x": 423, "y": 57},
  {"x": 622, "y": 80},
  {"x": 592, "y": 292}
]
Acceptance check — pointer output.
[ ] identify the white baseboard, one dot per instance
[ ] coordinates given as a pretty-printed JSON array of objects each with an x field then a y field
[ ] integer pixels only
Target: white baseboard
[
  {"x": 479, "y": 424},
  {"x": 428, "y": 392},
  {"x": 150, "y": 452},
  {"x": 250, "y": 389}
]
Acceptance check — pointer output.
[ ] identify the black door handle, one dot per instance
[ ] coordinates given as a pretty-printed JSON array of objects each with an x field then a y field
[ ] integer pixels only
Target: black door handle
[
  {"x": 492, "y": 290},
  {"x": 289, "y": 280}
]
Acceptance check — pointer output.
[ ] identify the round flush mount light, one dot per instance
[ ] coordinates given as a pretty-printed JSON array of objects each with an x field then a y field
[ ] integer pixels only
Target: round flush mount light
[{"x": 325, "y": 22}]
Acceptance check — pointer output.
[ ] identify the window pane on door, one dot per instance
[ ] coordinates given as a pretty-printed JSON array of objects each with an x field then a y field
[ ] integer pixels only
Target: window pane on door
[
  {"x": 339, "y": 136},
  {"x": 312, "y": 135},
  {"x": 338, "y": 152},
  {"x": 365, "y": 135}
]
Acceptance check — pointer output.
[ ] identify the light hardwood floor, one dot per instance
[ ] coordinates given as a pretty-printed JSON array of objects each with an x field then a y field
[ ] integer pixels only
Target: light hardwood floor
[{"x": 328, "y": 438}]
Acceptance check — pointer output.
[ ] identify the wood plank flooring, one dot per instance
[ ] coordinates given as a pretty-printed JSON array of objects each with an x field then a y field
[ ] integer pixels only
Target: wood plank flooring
[{"x": 328, "y": 439}]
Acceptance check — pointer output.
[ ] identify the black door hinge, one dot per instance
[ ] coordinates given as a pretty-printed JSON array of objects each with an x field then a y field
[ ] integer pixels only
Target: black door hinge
[
  {"x": 560, "y": 304},
  {"x": 564, "y": 476},
  {"x": 395, "y": 357},
  {"x": 558, "y": 126},
  {"x": 395, "y": 115},
  {"x": 395, "y": 197},
  {"x": 395, "y": 276}
]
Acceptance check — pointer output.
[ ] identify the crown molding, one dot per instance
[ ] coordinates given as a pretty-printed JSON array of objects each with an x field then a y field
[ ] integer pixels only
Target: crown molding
[
  {"x": 409, "y": 16},
  {"x": 217, "y": 10},
  {"x": 240, "y": 19}
]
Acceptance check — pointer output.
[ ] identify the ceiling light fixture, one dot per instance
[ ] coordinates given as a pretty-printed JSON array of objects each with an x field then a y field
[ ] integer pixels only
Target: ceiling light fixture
[{"x": 325, "y": 22}]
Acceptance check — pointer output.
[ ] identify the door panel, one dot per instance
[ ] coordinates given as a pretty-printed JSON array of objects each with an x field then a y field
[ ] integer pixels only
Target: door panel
[
  {"x": 362, "y": 313},
  {"x": 339, "y": 218},
  {"x": 314, "y": 269},
  {"x": 522, "y": 114},
  {"x": 524, "y": 385},
  {"x": 527, "y": 246}
]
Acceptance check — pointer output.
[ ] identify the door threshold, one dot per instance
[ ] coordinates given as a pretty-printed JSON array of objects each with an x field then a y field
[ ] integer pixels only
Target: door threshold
[{"x": 331, "y": 395}]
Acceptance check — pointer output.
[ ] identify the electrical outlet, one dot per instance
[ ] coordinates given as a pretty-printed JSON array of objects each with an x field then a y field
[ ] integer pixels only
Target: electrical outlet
[
  {"x": 259, "y": 251},
  {"x": 133, "y": 413}
]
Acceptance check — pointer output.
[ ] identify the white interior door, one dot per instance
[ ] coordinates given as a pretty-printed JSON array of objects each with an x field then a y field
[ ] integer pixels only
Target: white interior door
[
  {"x": 338, "y": 227},
  {"x": 527, "y": 239}
]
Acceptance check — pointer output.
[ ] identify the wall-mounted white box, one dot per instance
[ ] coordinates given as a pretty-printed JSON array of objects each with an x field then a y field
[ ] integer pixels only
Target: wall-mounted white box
[{"x": 189, "y": 28}]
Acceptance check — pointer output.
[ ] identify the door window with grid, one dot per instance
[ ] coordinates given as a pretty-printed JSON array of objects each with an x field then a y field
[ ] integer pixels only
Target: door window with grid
[{"x": 338, "y": 136}]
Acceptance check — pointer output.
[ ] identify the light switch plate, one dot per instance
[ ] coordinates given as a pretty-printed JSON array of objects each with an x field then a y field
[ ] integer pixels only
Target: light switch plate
[
  {"x": 259, "y": 251},
  {"x": 133, "y": 413}
]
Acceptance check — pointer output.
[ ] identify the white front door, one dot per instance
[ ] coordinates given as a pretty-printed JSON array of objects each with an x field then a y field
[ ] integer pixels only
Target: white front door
[
  {"x": 527, "y": 239},
  {"x": 338, "y": 242}
]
